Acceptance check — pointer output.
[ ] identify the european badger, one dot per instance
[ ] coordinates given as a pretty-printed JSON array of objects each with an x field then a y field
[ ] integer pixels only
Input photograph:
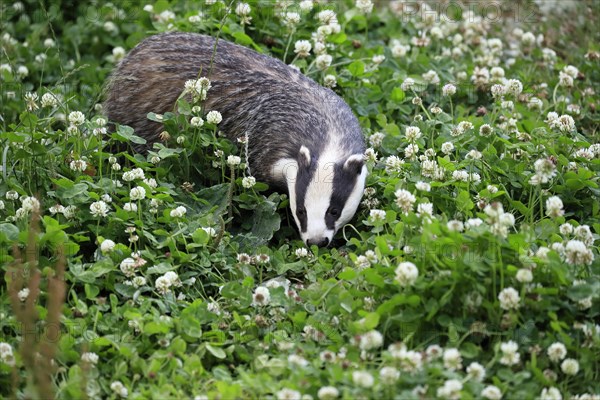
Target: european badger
[{"x": 303, "y": 138}]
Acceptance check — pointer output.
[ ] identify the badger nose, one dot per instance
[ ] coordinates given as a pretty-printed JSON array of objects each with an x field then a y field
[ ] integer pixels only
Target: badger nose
[{"x": 322, "y": 242}]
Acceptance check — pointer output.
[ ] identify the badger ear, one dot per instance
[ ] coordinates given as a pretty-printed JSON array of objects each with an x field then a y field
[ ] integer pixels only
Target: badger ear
[
  {"x": 304, "y": 158},
  {"x": 354, "y": 163}
]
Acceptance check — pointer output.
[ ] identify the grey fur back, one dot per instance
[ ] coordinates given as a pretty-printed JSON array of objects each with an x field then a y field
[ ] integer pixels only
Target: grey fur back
[{"x": 280, "y": 108}]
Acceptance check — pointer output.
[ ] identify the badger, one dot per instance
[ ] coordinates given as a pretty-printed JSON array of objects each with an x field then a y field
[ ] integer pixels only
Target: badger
[{"x": 302, "y": 137}]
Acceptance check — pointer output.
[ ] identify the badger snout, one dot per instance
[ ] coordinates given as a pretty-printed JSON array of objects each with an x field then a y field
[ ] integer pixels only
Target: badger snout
[{"x": 320, "y": 242}]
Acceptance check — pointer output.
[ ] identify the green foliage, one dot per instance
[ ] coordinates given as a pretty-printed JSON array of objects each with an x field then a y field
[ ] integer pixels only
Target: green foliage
[{"x": 185, "y": 277}]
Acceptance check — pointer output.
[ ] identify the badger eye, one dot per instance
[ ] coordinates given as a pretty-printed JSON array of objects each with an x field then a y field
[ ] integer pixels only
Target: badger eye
[
  {"x": 300, "y": 212},
  {"x": 333, "y": 212}
]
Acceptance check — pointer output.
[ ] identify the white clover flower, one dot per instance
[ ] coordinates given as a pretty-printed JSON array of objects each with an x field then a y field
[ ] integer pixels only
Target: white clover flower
[
  {"x": 211, "y": 231},
  {"x": 565, "y": 80},
  {"x": 498, "y": 91},
  {"x": 233, "y": 160},
  {"x": 452, "y": 359},
  {"x": 509, "y": 299},
  {"x": 449, "y": 90},
  {"x": 460, "y": 175},
  {"x": 248, "y": 182},
  {"x": 261, "y": 296},
  {"x": 49, "y": 100},
  {"x": 364, "y": 6},
  {"x": 431, "y": 77},
  {"x": 178, "y": 212},
  {"x": 370, "y": 155},
  {"x": 128, "y": 266},
  {"x": 23, "y": 294},
  {"x": 99, "y": 209},
  {"x": 76, "y": 118},
  {"x": 90, "y": 358},
  {"x": 583, "y": 233},
  {"x": 214, "y": 117},
  {"x": 136, "y": 173},
  {"x": 78, "y": 165},
  {"x": 535, "y": 103},
  {"x": 447, "y": 147},
  {"x": 288, "y": 394},
  {"x": 486, "y": 130},
  {"x": 405, "y": 200},
  {"x": 565, "y": 123},
  {"x": 412, "y": 133},
  {"x": 451, "y": 389},
  {"x": 376, "y": 139},
  {"x": 306, "y": 5},
  {"x": 29, "y": 203},
  {"x": 371, "y": 340},
  {"x": 2, "y": 205},
  {"x": 328, "y": 393},
  {"x": 301, "y": 252},
  {"x": 399, "y": 49},
  {"x": 389, "y": 375},
  {"x": 363, "y": 379},
  {"x": 455, "y": 225},
  {"x": 550, "y": 394},
  {"x": 137, "y": 193},
  {"x": 425, "y": 210},
  {"x": 411, "y": 151},
  {"x": 572, "y": 71},
  {"x": 545, "y": 170},
  {"x": 378, "y": 58},
  {"x": 524, "y": 275},
  {"x": 138, "y": 281},
  {"x": 69, "y": 212},
  {"x": 196, "y": 122},
  {"x": 406, "y": 274},
  {"x": 377, "y": 215},
  {"x": 408, "y": 84},
  {"x": 107, "y": 246},
  {"x": 297, "y": 360},
  {"x": 130, "y": 207},
  {"x": 323, "y": 61},
  {"x": 118, "y": 53},
  {"x": 393, "y": 164},
  {"x": 497, "y": 74},
  {"x": 410, "y": 361},
  {"x": 556, "y": 352},
  {"x": 291, "y": 19},
  {"x": 151, "y": 182},
  {"x": 118, "y": 388},
  {"x": 6, "y": 354},
  {"x": 510, "y": 353},
  {"x": 474, "y": 155},
  {"x": 423, "y": 186},
  {"x": 362, "y": 263},
  {"x": 570, "y": 366},
  {"x": 330, "y": 81},
  {"x": 514, "y": 87},
  {"x": 242, "y": 9},
  {"x": 491, "y": 392},
  {"x": 476, "y": 371},
  {"x": 554, "y": 207},
  {"x": 327, "y": 17},
  {"x": 577, "y": 253}
]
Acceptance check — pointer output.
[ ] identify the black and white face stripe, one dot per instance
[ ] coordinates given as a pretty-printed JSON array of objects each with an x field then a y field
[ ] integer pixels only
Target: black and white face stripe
[{"x": 325, "y": 194}]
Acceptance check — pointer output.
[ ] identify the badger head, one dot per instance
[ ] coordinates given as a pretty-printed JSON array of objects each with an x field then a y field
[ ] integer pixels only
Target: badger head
[{"x": 324, "y": 191}]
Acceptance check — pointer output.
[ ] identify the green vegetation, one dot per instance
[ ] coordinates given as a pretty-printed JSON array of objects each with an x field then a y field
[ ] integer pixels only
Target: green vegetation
[{"x": 471, "y": 269}]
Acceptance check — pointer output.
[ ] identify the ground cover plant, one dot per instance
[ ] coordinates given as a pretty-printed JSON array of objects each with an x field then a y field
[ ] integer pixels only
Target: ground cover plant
[{"x": 471, "y": 269}]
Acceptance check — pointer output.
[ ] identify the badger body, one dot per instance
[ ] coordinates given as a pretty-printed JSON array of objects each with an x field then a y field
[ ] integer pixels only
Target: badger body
[{"x": 302, "y": 137}]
